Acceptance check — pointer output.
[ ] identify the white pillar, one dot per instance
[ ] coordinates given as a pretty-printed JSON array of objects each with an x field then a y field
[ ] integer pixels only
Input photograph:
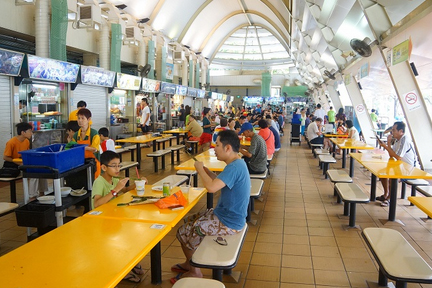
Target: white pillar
[
  {"x": 104, "y": 46},
  {"x": 42, "y": 25},
  {"x": 334, "y": 97},
  {"x": 141, "y": 59},
  {"x": 185, "y": 73},
  {"x": 415, "y": 111},
  {"x": 361, "y": 111}
]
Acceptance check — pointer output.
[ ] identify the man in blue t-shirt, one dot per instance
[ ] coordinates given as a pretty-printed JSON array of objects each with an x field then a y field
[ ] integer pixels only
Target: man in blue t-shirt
[{"x": 229, "y": 216}]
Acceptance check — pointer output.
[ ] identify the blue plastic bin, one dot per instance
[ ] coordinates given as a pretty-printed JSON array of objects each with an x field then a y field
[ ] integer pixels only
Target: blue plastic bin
[{"x": 52, "y": 156}]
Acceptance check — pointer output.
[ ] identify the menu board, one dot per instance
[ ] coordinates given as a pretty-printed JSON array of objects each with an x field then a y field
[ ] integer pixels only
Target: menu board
[
  {"x": 200, "y": 93},
  {"x": 168, "y": 88},
  {"x": 10, "y": 62},
  {"x": 181, "y": 90},
  {"x": 128, "y": 82},
  {"x": 97, "y": 76},
  {"x": 224, "y": 97},
  {"x": 253, "y": 99},
  {"x": 54, "y": 70},
  {"x": 216, "y": 96},
  {"x": 191, "y": 92},
  {"x": 149, "y": 85}
]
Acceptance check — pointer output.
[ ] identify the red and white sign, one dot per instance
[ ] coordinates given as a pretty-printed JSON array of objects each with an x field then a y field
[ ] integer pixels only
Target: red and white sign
[
  {"x": 411, "y": 100},
  {"x": 360, "y": 109}
]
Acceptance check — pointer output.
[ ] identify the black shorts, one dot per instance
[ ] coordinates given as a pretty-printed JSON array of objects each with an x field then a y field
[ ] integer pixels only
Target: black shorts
[
  {"x": 145, "y": 128},
  {"x": 317, "y": 140}
]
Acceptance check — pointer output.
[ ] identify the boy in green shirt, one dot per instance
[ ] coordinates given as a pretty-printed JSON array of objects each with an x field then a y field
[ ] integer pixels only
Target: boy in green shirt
[{"x": 331, "y": 115}]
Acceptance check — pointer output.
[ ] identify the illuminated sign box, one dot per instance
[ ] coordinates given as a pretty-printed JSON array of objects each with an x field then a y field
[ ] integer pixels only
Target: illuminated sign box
[
  {"x": 97, "y": 76},
  {"x": 54, "y": 70},
  {"x": 150, "y": 85},
  {"x": 128, "y": 82},
  {"x": 10, "y": 62}
]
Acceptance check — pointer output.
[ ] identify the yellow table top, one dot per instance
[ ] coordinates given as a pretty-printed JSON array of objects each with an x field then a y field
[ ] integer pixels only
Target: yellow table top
[
  {"x": 336, "y": 135},
  {"x": 211, "y": 162},
  {"x": 350, "y": 144},
  {"x": 17, "y": 160},
  {"x": 68, "y": 255},
  {"x": 245, "y": 143},
  {"x": 423, "y": 203},
  {"x": 389, "y": 168},
  {"x": 175, "y": 131},
  {"x": 139, "y": 139},
  {"x": 147, "y": 212}
]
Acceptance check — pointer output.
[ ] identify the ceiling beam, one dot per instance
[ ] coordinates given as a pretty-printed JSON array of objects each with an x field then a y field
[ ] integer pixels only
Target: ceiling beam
[{"x": 192, "y": 19}]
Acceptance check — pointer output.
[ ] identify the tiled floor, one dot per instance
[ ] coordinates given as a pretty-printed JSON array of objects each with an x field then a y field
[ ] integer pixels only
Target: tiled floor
[{"x": 298, "y": 242}]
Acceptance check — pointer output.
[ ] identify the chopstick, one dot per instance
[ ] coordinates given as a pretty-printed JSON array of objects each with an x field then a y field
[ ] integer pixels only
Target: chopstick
[
  {"x": 193, "y": 157},
  {"x": 130, "y": 178}
]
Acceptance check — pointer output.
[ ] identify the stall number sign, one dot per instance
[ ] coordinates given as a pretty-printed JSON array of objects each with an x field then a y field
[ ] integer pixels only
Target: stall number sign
[
  {"x": 360, "y": 109},
  {"x": 412, "y": 101}
]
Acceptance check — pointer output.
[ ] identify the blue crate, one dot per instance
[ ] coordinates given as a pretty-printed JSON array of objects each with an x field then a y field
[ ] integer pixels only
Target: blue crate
[{"x": 64, "y": 160}]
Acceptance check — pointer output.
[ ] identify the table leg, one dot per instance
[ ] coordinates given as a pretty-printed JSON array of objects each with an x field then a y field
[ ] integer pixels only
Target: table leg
[
  {"x": 373, "y": 188},
  {"x": 156, "y": 264},
  {"x": 138, "y": 154},
  {"x": 209, "y": 200},
  {"x": 178, "y": 138},
  {"x": 344, "y": 152},
  {"x": 393, "y": 199},
  {"x": 351, "y": 170},
  {"x": 334, "y": 149},
  {"x": 154, "y": 145},
  {"x": 58, "y": 202},
  {"x": 13, "y": 191}
]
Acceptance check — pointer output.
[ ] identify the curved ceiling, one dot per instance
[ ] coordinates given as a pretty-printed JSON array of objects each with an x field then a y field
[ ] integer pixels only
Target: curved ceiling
[{"x": 315, "y": 34}]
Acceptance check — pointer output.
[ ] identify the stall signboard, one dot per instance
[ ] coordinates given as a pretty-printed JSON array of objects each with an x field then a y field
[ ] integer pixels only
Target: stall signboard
[
  {"x": 10, "y": 62},
  {"x": 192, "y": 92},
  {"x": 200, "y": 93},
  {"x": 181, "y": 90},
  {"x": 168, "y": 88},
  {"x": 150, "y": 85},
  {"x": 214, "y": 95},
  {"x": 128, "y": 82},
  {"x": 54, "y": 70},
  {"x": 253, "y": 99},
  {"x": 295, "y": 99},
  {"x": 97, "y": 76},
  {"x": 224, "y": 97},
  {"x": 276, "y": 99},
  {"x": 169, "y": 71}
]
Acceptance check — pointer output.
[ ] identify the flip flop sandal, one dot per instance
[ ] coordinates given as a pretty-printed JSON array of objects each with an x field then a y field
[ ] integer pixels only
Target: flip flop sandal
[
  {"x": 131, "y": 277},
  {"x": 173, "y": 280},
  {"x": 179, "y": 269},
  {"x": 380, "y": 198},
  {"x": 385, "y": 203},
  {"x": 138, "y": 270}
]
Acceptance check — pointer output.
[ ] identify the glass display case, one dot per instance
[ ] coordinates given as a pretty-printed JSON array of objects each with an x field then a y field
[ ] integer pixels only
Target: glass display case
[{"x": 122, "y": 112}]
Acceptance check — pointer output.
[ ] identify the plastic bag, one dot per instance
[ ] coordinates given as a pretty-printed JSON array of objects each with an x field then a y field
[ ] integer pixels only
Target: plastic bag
[{"x": 175, "y": 200}]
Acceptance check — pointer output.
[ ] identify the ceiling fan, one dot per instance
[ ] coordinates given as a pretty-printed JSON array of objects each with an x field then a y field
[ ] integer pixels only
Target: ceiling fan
[
  {"x": 362, "y": 47},
  {"x": 331, "y": 74},
  {"x": 144, "y": 70}
]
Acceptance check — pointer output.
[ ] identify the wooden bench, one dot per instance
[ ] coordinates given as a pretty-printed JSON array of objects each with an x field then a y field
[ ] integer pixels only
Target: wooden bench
[
  {"x": 338, "y": 176},
  {"x": 324, "y": 162},
  {"x": 212, "y": 255},
  {"x": 194, "y": 145},
  {"x": 350, "y": 194},
  {"x": 6, "y": 208},
  {"x": 396, "y": 258},
  {"x": 176, "y": 148},
  {"x": 174, "y": 180},
  {"x": 320, "y": 151},
  {"x": 192, "y": 282},
  {"x": 163, "y": 141},
  {"x": 414, "y": 183},
  {"x": 256, "y": 188},
  {"x": 126, "y": 165},
  {"x": 189, "y": 174},
  {"x": 156, "y": 155},
  {"x": 259, "y": 176},
  {"x": 425, "y": 190},
  {"x": 12, "y": 184}
]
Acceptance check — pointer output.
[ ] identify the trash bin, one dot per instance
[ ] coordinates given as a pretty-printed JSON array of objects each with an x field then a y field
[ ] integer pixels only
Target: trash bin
[{"x": 36, "y": 215}]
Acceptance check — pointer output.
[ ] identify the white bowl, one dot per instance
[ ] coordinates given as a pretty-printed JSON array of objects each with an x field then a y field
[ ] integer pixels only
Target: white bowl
[
  {"x": 65, "y": 191},
  {"x": 46, "y": 199}
]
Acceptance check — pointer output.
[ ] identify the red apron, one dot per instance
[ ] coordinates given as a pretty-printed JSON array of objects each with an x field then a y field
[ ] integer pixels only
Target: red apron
[{"x": 89, "y": 154}]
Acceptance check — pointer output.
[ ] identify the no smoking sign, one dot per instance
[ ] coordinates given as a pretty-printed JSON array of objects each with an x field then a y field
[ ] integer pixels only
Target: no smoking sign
[{"x": 411, "y": 100}]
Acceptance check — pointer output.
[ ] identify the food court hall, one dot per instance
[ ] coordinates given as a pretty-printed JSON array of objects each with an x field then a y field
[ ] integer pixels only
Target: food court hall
[{"x": 316, "y": 217}]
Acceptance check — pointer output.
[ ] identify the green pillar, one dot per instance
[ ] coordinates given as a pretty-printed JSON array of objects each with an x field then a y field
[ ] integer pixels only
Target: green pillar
[
  {"x": 208, "y": 76},
  {"x": 266, "y": 84},
  {"x": 151, "y": 58},
  {"x": 116, "y": 44},
  {"x": 197, "y": 75},
  {"x": 59, "y": 25}
]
